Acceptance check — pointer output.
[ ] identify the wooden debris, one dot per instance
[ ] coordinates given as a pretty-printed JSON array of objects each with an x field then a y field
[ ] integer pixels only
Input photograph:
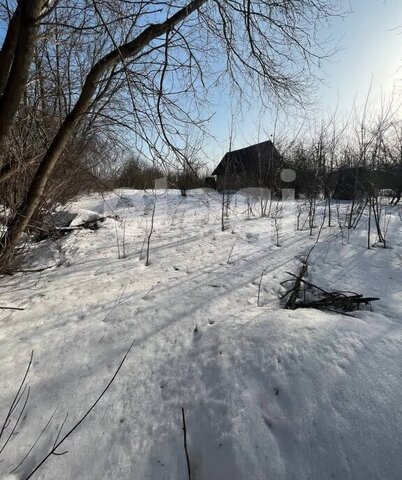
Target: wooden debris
[
  {"x": 89, "y": 224},
  {"x": 336, "y": 301}
]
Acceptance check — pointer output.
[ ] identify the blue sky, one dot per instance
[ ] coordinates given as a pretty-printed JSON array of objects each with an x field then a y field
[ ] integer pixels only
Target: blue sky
[
  {"x": 369, "y": 43},
  {"x": 369, "y": 52},
  {"x": 370, "y": 48}
]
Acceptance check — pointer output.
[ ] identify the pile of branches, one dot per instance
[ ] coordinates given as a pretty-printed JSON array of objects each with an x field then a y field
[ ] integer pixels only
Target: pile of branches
[{"x": 304, "y": 294}]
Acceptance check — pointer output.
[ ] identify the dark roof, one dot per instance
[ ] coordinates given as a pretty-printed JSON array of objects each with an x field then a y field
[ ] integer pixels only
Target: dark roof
[{"x": 247, "y": 158}]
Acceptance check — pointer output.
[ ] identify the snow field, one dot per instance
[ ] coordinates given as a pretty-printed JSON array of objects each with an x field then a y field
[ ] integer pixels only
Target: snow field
[{"x": 268, "y": 393}]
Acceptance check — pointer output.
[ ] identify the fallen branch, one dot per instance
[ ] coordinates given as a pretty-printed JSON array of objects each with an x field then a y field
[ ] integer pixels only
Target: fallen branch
[
  {"x": 89, "y": 224},
  {"x": 338, "y": 301},
  {"x": 10, "y": 273},
  {"x": 11, "y": 308},
  {"x": 330, "y": 301}
]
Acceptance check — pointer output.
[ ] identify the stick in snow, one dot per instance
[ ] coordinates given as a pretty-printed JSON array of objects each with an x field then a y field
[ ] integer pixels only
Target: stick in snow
[
  {"x": 291, "y": 303},
  {"x": 185, "y": 443}
]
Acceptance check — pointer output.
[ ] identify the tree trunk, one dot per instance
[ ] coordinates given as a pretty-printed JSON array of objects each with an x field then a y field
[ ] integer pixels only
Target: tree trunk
[
  {"x": 8, "y": 49},
  {"x": 21, "y": 59}
]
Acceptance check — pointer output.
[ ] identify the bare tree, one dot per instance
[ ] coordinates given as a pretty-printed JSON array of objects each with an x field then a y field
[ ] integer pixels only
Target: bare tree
[
  {"x": 277, "y": 216},
  {"x": 150, "y": 230}
]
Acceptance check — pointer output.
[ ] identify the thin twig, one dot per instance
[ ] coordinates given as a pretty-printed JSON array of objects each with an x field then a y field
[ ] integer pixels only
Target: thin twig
[
  {"x": 17, "y": 421},
  {"x": 53, "y": 450},
  {"x": 259, "y": 285},
  {"x": 151, "y": 289},
  {"x": 35, "y": 442},
  {"x": 17, "y": 397},
  {"x": 185, "y": 443},
  {"x": 231, "y": 250}
]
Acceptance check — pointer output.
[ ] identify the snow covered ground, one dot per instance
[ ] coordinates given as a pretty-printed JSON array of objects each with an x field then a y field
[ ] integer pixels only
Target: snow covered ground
[{"x": 268, "y": 393}]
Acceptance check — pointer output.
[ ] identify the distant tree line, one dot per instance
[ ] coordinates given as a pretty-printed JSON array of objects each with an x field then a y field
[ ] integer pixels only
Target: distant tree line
[
  {"x": 140, "y": 174},
  {"x": 360, "y": 161}
]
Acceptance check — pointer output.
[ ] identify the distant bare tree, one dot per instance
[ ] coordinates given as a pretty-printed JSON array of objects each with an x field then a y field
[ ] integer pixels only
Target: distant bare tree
[
  {"x": 150, "y": 230},
  {"x": 188, "y": 173}
]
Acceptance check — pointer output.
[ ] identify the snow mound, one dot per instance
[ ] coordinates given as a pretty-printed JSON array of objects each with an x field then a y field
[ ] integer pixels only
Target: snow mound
[{"x": 85, "y": 216}]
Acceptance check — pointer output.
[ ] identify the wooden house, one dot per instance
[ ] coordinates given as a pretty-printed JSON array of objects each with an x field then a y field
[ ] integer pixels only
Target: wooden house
[{"x": 254, "y": 166}]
